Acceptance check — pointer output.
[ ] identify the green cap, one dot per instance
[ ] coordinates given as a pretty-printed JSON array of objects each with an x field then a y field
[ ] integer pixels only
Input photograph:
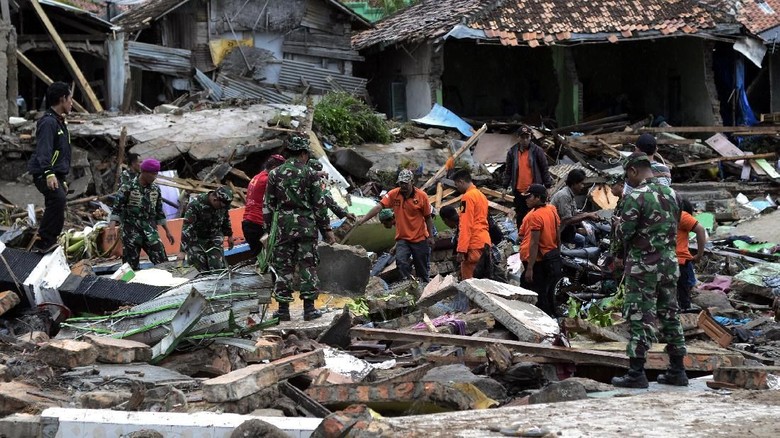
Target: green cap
[
  {"x": 224, "y": 194},
  {"x": 315, "y": 164},
  {"x": 385, "y": 215},
  {"x": 614, "y": 179},
  {"x": 298, "y": 143}
]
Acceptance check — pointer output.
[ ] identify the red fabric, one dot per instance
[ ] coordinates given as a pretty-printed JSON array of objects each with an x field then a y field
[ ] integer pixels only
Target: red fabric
[{"x": 255, "y": 194}]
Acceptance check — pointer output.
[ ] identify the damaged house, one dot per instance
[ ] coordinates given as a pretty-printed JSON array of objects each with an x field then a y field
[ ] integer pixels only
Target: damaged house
[
  {"x": 562, "y": 60},
  {"x": 270, "y": 50}
]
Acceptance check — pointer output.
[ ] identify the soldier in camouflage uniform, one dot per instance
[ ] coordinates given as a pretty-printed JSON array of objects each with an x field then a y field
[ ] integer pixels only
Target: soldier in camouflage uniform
[
  {"x": 206, "y": 224},
  {"x": 138, "y": 207},
  {"x": 615, "y": 184},
  {"x": 133, "y": 169},
  {"x": 295, "y": 194},
  {"x": 341, "y": 213},
  {"x": 648, "y": 230}
]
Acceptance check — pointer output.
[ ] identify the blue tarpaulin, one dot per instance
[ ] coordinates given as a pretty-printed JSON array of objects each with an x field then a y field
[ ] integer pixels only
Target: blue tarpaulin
[
  {"x": 440, "y": 116},
  {"x": 746, "y": 116}
]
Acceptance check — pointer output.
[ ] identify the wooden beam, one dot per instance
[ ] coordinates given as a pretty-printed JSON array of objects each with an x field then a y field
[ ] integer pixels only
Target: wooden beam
[
  {"x": 470, "y": 142},
  {"x": 43, "y": 76},
  {"x": 69, "y": 61},
  {"x": 719, "y": 159},
  {"x": 439, "y": 195},
  {"x": 560, "y": 353},
  {"x": 714, "y": 129},
  {"x": 496, "y": 194},
  {"x": 444, "y": 195},
  {"x": 120, "y": 156}
]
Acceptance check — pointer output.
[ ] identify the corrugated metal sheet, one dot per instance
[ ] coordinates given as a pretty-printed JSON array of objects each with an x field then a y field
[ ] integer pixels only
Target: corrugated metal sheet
[
  {"x": 240, "y": 88},
  {"x": 292, "y": 72},
  {"x": 215, "y": 91},
  {"x": 165, "y": 60}
]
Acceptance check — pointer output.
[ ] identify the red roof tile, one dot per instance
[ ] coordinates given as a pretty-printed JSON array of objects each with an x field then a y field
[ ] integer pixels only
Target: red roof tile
[{"x": 758, "y": 15}]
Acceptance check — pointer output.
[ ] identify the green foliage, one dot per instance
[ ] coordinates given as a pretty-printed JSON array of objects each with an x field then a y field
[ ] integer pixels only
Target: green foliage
[
  {"x": 598, "y": 312},
  {"x": 349, "y": 120}
]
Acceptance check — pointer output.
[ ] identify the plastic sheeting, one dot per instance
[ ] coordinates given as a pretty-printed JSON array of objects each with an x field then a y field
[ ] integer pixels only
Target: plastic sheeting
[
  {"x": 746, "y": 116},
  {"x": 440, "y": 116}
]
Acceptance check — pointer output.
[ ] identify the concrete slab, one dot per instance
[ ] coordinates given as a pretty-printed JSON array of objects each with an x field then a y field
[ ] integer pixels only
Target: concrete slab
[
  {"x": 437, "y": 289},
  {"x": 88, "y": 423},
  {"x": 343, "y": 269},
  {"x": 504, "y": 290},
  {"x": 649, "y": 415},
  {"x": 525, "y": 320},
  {"x": 18, "y": 397},
  {"x": 68, "y": 353},
  {"x": 148, "y": 374},
  {"x": 112, "y": 350}
]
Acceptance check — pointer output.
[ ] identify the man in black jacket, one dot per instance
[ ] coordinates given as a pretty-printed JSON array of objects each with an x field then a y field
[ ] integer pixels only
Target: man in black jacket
[
  {"x": 50, "y": 163},
  {"x": 525, "y": 164}
]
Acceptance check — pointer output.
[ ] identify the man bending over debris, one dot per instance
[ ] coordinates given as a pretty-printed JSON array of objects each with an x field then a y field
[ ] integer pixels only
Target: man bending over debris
[
  {"x": 138, "y": 207},
  {"x": 473, "y": 235},
  {"x": 206, "y": 224},
  {"x": 50, "y": 163},
  {"x": 539, "y": 242},
  {"x": 648, "y": 229},
  {"x": 256, "y": 215},
  {"x": 414, "y": 233},
  {"x": 341, "y": 213},
  {"x": 294, "y": 193}
]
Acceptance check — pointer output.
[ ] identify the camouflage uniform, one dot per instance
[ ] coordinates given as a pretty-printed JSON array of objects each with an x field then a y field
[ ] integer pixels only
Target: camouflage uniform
[
  {"x": 126, "y": 176},
  {"x": 648, "y": 230},
  {"x": 139, "y": 210},
  {"x": 204, "y": 231},
  {"x": 294, "y": 191}
]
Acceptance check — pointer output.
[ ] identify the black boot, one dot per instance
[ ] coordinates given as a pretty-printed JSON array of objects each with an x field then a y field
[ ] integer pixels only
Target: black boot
[
  {"x": 309, "y": 311},
  {"x": 283, "y": 313},
  {"x": 635, "y": 378},
  {"x": 675, "y": 375}
]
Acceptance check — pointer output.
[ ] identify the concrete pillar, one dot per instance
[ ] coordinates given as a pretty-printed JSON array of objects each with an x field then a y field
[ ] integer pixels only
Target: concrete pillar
[
  {"x": 5, "y": 41},
  {"x": 117, "y": 71}
]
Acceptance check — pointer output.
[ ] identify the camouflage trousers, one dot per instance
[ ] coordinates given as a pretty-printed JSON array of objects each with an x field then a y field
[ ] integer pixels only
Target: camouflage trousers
[
  {"x": 135, "y": 239},
  {"x": 651, "y": 309},
  {"x": 206, "y": 255},
  {"x": 289, "y": 255}
]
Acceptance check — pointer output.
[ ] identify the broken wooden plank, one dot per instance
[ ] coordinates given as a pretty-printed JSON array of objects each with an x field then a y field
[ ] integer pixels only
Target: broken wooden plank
[
  {"x": 66, "y": 55},
  {"x": 748, "y": 130},
  {"x": 720, "y": 144},
  {"x": 470, "y": 142},
  {"x": 714, "y": 330},
  {"x": 439, "y": 195},
  {"x": 120, "y": 156},
  {"x": 496, "y": 194},
  {"x": 303, "y": 400},
  {"x": 719, "y": 159},
  {"x": 549, "y": 351},
  {"x": 43, "y": 76}
]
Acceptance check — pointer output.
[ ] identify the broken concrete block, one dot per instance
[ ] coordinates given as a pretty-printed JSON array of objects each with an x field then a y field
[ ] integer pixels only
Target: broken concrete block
[
  {"x": 438, "y": 289},
  {"x": 212, "y": 361},
  {"x": 268, "y": 348},
  {"x": 68, "y": 353},
  {"x": 337, "y": 334},
  {"x": 591, "y": 385},
  {"x": 112, "y": 350},
  {"x": 355, "y": 420},
  {"x": 324, "y": 376},
  {"x": 343, "y": 269},
  {"x": 397, "y": 398},
  {"x": 34, "y": 337},
  {"x": 259, "y": 428},
  {"x": 103, "y": 399},
  {"x": 246, "y": 381},
  {"x": 17, "y": 397},
  {"x": 747, "y": 377},
  {"x": 20, "y": 425},
  {"x": 568, "y": 390},
  {"x": 8, "y": 300},
  {"x": 711, "y": 299},
  {"x": 462, "y": 374},
  {"x": 524, "y": 320},
  {"x": 504, "y": 290},
  {"x": 434, "y": 132},
  {"x": 351, "y": 162}
]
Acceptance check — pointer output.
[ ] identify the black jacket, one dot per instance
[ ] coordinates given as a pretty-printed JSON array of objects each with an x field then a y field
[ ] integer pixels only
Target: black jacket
[
  {"x": 538, "y": 165},
  {"x": 52, "y": 147}
]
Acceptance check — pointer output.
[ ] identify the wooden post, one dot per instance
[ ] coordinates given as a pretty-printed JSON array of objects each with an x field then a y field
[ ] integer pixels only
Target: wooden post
[
  {"x": 120, "y": 156},
  {"x": 43, "y": 76},
  {"x": 470, "y": 142},
  {"x": 439, "y": 193},
  {"x": 69, "y": 61},
  {"x": 769, "y": 155}
]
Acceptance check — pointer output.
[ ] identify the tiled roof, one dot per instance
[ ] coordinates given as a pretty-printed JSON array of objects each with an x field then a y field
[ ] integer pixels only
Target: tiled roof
[
  {"x": 760, "y": 15},
  {"x": 426, "y": 19},
  {"x": 535, "y": 22},
  {"x": 142, "y": 15}
]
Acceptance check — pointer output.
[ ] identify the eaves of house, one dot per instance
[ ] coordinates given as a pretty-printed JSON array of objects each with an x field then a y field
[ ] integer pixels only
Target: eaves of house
[{"x": 547, "y": 22}]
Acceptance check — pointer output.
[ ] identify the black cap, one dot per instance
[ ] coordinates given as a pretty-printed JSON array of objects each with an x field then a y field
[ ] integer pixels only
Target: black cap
[
  {"x": 646, "y": 140},
  {"x": 524, "y": 130},
  {"x": 536, "y": 190}
]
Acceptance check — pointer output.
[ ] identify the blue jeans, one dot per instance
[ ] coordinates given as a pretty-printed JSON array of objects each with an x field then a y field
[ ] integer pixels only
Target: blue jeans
[
  {"x": 579, "y": 240},
  {"x": 420, "y": 255}
]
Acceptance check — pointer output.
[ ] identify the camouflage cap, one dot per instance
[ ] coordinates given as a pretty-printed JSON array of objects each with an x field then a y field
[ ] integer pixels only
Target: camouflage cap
[
  {"x": 315, "y": 164},
  {"x": 224, "y": 194},
  {"x": 405, "y": 176},
  {"x": 635, "y": 159},
  {"x": 298, "y": 143},
  {"x": 614, "y": 179},
  {"x": 385, "y": 215}
]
